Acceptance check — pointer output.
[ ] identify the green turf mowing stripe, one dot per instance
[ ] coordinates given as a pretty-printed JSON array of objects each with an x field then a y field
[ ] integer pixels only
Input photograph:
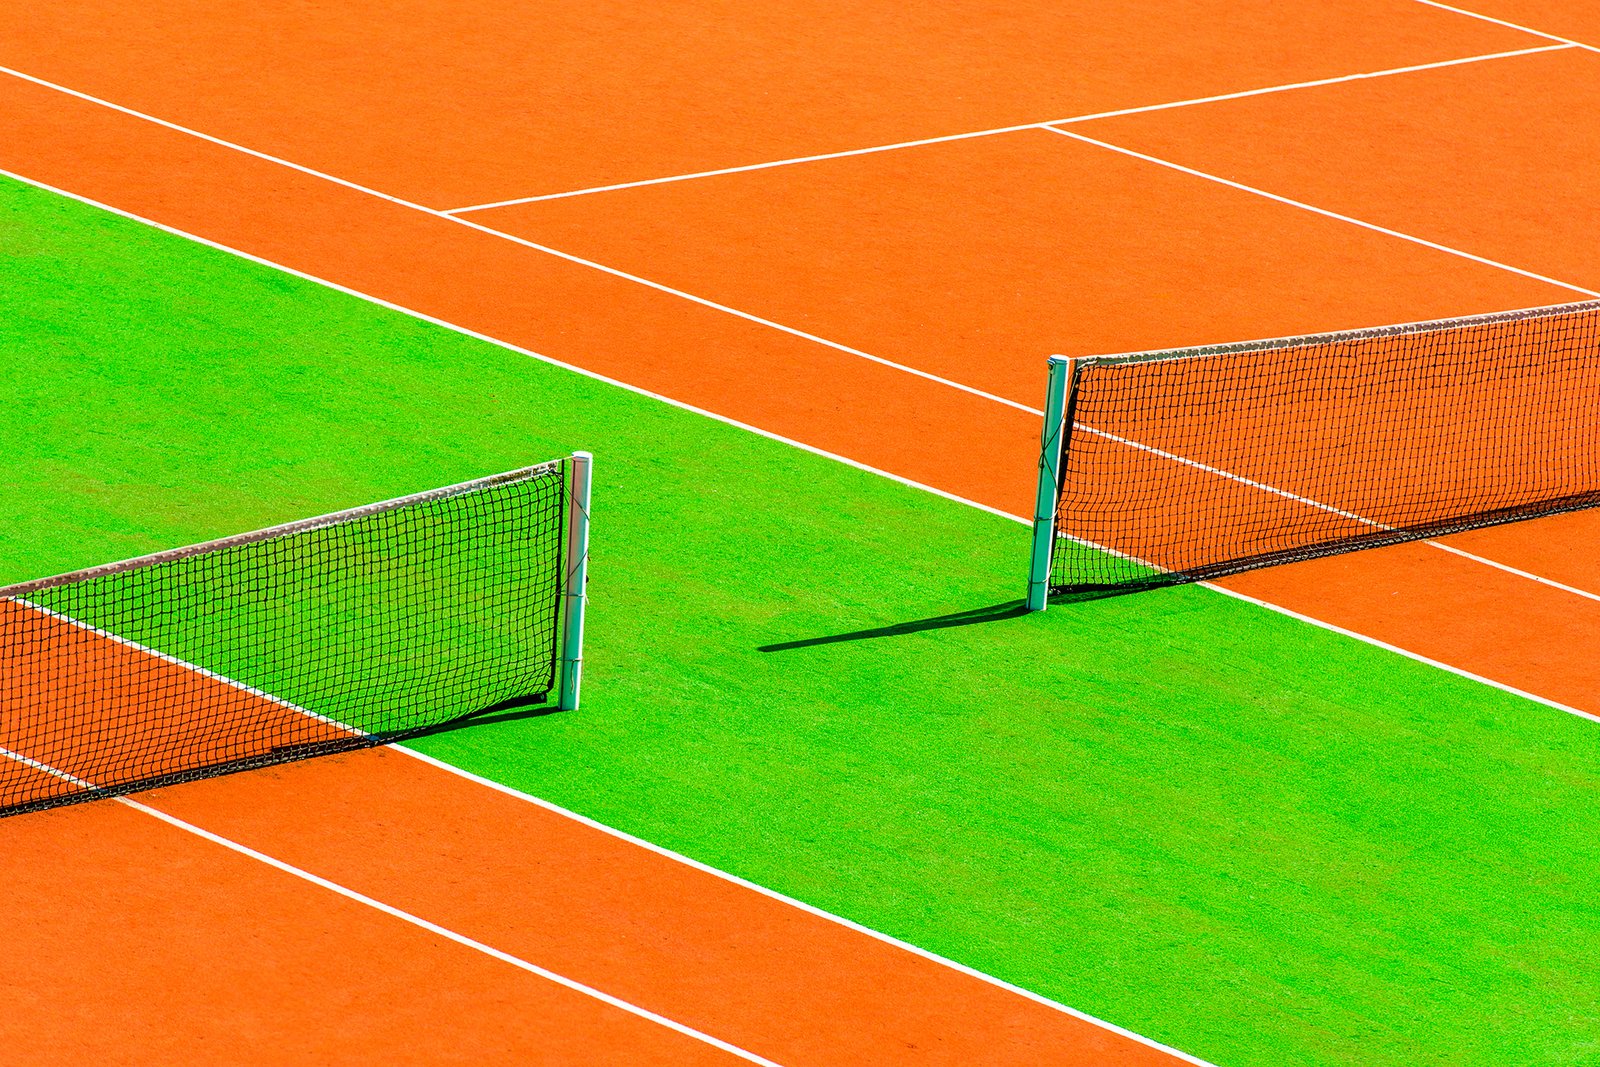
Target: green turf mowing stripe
[{"x": 1249, "y": 838}]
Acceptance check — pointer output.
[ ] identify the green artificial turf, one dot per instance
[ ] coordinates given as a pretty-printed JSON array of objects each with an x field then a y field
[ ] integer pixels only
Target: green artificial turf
[{"x": 1255, "y": 840}]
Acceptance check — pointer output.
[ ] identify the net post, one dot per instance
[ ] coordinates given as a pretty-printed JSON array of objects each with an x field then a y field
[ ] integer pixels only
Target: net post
[
  {"x": 575, "y": 586},
  {"x": 1044, "y": 506}
]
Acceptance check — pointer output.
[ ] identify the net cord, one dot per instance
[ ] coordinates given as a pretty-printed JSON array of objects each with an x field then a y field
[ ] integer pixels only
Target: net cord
[
  {"x": 22, "y": 589},
  {"x": 1366, "y": 334}
]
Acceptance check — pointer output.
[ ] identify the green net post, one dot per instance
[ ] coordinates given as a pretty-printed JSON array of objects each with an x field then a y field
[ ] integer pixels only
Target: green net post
[
  {"x": 1044, "y": 506},
  {"x": 575, "y": 590}
]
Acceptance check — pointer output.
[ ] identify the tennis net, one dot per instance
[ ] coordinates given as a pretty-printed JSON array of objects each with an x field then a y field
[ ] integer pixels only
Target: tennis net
[
  {"x": 1193, "y": 464},
  {"x": 320, "y": 636}
]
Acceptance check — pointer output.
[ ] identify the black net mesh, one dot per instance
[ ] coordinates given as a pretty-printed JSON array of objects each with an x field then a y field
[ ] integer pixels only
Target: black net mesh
[
  {"x": 1191, "y": 465},
  {"x": 316, "y": 637}
]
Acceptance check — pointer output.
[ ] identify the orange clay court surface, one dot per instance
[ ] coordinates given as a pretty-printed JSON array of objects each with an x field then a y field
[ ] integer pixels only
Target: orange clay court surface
[{"x": 893, "y": 307}]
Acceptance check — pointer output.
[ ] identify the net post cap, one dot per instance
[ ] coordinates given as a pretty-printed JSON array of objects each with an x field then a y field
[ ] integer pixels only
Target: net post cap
[{"x": 1059, "y": 359}]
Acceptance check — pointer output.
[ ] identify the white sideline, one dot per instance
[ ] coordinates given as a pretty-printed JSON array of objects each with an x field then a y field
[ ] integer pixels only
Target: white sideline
[
  {"x": 450, "y": 935},
  {"x": 181, "y": 664},
  {"x": 737, "y": 313},
  {"x": 822, "y": 156},
  {"x": 773, "y": 894},
  {"x": 1407, "y": 653},
  {"x": 758, "y": 431},
  {"x": 1510, "y": 25}
]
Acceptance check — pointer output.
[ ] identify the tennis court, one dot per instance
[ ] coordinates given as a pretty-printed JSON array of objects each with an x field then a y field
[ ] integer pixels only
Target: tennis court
[{"x": 791, "y": 273}]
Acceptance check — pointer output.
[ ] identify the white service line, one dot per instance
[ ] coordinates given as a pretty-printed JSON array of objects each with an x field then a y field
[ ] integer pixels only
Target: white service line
[
  {"x": 1509, "y": 25},
  {"x": 1303, "y": 206},
  {"x": 448, "y": 934},
  {"x": 1319, "y": 82},
  {"x": 822, "y": 156},
  {"x": 746, "y": 168},
  {"x": 38, "y": 765}
]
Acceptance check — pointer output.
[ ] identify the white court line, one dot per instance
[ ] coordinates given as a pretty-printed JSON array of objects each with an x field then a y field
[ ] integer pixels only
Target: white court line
[
  {"x": 450, "y": 935},
  {"x": 1320, "y": 82},
  {"x": 182, "y": 664},
  {"x": 715, "y": 417},
  {"x": 1407, "y": 653},
  {"x": 1510, "y": 25},
  {"x": 746, "y": 168},
  {"x": 1128, "y": 442},
  {"x": 1303, "y": 206},
  {"x": 38, "y": 765},
  {"x": 1454, "y": 551},
  {"x": 218, "y": 141},
  {"x": 747, "y": 316},
  {"x": 524, "y": 242},
  {"x": 394, "y": 912},
  {"x": 823, "y": 156}
]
